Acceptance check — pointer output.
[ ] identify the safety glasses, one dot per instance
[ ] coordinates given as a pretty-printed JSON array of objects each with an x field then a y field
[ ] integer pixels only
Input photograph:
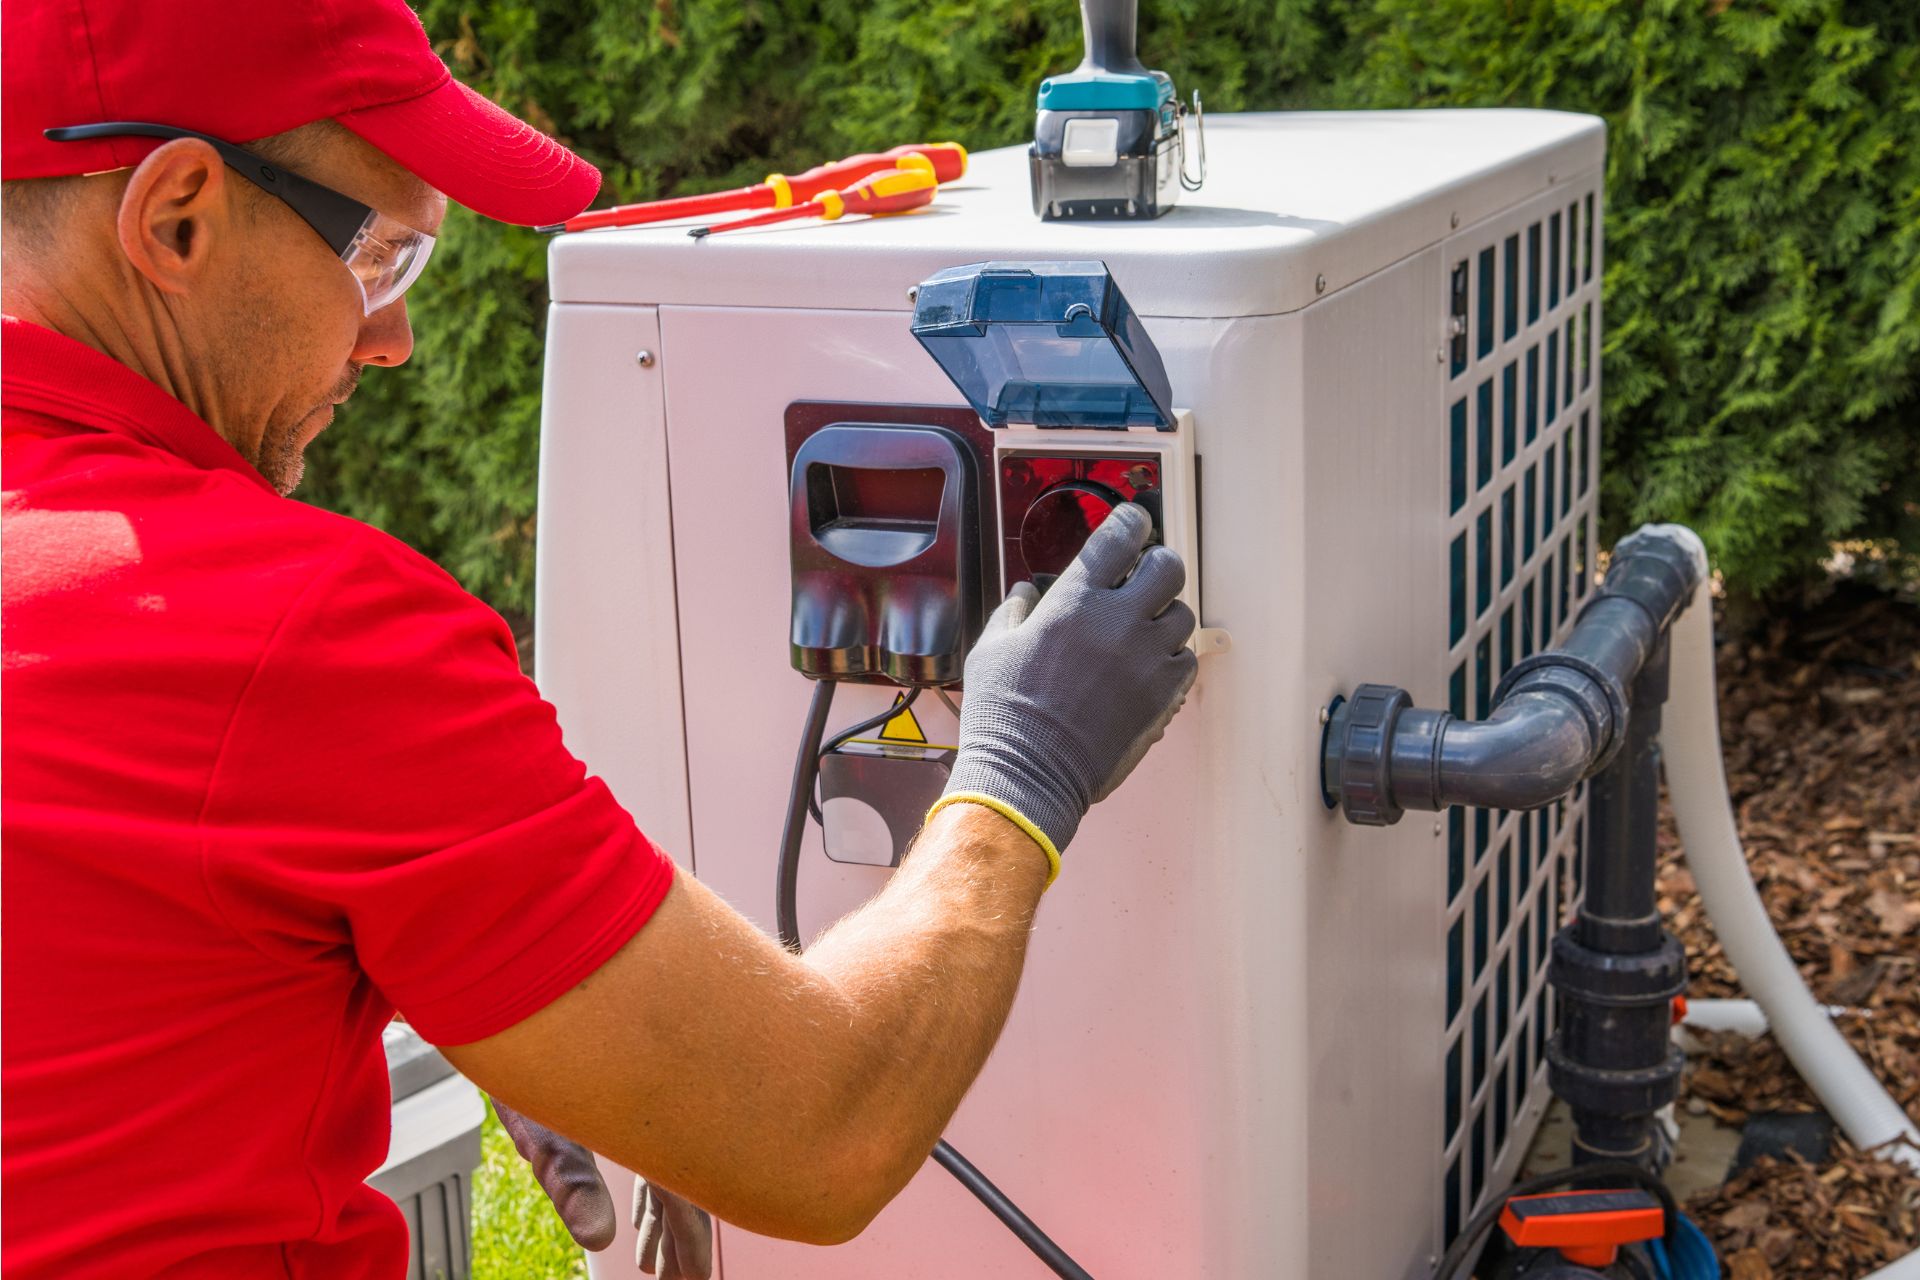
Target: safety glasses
[{"x": 384, "y": 255}]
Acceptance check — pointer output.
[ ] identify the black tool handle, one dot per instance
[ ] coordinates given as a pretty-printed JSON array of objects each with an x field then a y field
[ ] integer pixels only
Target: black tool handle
[{"x": 1111, "y": 27}]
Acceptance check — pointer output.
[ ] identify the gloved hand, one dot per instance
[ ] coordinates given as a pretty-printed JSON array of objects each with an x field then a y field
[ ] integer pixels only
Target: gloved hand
[
  {"x": 566, "y": 1172},
  {"x": 676, "y": 1238},
  {"x": 1065, "y": 692}
]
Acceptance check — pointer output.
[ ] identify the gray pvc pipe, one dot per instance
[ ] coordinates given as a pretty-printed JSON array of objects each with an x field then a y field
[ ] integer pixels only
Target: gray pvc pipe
[
  {"x": 1697, "y": 785},
  {"x": 1532, "y": 750}
]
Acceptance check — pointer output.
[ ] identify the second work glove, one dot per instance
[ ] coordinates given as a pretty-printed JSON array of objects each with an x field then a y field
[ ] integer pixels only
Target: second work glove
[
  {"x": 1065, "y": 692},
  {"x": 676, "y": 1238}
]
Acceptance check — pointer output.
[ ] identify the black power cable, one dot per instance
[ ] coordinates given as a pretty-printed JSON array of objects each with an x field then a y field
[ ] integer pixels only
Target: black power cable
[
  {"x": 806, "y": 767},
  {"x": 1599, "y": 1171},
  {"x": 1009, "y": 1213},
  {"x": 800, "y": 802},
  {"x": 848, "y": 734}
]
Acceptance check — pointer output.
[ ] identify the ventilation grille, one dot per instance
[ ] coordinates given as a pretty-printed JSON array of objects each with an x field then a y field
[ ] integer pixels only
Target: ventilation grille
[{"x": 1522, "y": 429}]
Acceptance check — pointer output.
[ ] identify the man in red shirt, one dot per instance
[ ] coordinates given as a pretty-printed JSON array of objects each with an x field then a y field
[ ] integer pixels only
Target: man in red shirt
[{"x": 270, "y": 776}]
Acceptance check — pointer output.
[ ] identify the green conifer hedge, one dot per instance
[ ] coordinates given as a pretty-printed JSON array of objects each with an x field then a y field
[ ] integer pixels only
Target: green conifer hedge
[{"x": 1763, "y": 225}]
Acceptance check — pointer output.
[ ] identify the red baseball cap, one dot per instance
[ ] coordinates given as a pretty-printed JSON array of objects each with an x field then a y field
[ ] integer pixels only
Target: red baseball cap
[{"x": 245, "y": 69}]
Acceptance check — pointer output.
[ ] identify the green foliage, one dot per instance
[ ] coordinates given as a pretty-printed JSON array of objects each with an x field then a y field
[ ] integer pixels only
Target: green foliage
[
  {"x": 1763, "y": 231},
  {"x": 1762, "y": 282}
]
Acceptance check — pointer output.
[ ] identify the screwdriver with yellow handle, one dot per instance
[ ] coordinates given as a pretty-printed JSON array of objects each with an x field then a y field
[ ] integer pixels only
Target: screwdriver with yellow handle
[
  {"x": 895, "y": 191},
  {"x": 946, "y": 161}
]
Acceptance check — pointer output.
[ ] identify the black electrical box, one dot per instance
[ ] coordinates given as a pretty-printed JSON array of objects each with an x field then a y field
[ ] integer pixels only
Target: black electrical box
[{"x": 890, "y": 558}]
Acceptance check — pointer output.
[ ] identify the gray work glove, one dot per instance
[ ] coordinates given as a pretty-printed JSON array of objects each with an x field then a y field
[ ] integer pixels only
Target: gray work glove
[
  {"x": 1065, "y": 692},
  {"x": 676, "y": 1239}
]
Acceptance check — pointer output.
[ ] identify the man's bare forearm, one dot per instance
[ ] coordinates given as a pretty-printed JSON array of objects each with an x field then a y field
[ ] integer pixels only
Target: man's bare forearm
[
  {"x": 929, "y": 968},
  {"x": 793, "y": 1096}
]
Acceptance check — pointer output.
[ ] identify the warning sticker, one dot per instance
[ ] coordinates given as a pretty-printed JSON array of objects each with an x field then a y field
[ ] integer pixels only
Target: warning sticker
[{"x": 903, "y": 727}]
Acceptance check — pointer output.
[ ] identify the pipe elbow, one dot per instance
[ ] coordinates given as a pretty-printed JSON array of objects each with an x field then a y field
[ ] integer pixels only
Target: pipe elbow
[{"x": 1534, "y": 749}]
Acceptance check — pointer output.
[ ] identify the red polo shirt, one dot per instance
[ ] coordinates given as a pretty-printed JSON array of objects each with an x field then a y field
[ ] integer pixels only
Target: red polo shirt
[{"x": 269, "y": 776}]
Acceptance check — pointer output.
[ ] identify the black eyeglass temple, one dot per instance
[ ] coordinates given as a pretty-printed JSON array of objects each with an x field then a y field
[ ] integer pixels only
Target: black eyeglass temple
[{"x": 335, "y": 217}]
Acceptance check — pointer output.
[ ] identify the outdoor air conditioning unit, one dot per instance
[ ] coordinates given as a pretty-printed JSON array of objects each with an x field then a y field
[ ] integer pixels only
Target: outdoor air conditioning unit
[{"x": 1252, "y": 1040}]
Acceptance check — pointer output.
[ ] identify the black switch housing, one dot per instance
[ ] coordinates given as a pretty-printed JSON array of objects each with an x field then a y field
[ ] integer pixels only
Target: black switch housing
[{"x": 886, "y": 553}]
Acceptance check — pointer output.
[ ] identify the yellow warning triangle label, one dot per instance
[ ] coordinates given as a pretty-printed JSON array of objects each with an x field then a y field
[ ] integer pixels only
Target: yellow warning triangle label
[{"x": 903, "y": 727}]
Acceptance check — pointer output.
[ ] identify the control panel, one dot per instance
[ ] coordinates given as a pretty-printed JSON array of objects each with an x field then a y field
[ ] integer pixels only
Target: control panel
[
  {"x": 1051, "y": 503},
  {"x": 1056, "y": 486},
  {"x": 1077, "y": 401}
]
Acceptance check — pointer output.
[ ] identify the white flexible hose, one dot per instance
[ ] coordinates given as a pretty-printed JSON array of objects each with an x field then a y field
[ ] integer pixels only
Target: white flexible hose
[
  {"x": 1907, "y": 1268},
  {"x": 1743, "y": 1017},
  {"x": 1697, "y": 786}
]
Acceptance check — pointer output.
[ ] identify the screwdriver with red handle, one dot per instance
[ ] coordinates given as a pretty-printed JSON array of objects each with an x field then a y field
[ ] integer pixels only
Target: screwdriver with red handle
[
  {"x": 895, "y": 191},
  {"x": 946, "y": 161}
]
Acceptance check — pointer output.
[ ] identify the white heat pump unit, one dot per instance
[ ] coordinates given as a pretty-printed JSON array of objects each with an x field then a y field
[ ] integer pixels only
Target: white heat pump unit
[{"x": 1252, "y": 1040}]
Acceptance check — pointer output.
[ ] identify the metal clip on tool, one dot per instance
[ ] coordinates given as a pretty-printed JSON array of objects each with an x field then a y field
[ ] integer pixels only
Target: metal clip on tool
[{"x": 1200, "y": 143}]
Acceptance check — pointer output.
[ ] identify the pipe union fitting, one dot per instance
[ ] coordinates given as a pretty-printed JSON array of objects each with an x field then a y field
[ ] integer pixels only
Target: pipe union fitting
[{"x": 1355, "y": 753}]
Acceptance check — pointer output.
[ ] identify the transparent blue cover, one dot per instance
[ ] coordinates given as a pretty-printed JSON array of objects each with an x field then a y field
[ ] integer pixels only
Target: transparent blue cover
[{"x": 1051, "y": 344}]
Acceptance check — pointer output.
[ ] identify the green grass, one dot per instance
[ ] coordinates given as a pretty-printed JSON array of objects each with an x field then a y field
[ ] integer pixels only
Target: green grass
[{"x": 516, "y": 1233}]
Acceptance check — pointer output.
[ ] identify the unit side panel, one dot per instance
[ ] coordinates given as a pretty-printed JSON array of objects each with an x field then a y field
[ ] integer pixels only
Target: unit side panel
[
  {"x": 1519, "y": 415},
  {"x": 1241, "y": 797},
  {"x": 1372, "y": 519},
  {"x": 1154, "y": 1055},
  {"x": 606, "y": 635}
]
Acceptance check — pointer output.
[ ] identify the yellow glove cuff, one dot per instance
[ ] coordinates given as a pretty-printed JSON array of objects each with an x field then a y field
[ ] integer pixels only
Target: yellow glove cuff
[{"x": 1012, "y": 815}]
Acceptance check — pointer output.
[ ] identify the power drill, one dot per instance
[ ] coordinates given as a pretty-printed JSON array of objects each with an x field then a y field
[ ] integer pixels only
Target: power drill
[{"x": 1110, "y": 137}]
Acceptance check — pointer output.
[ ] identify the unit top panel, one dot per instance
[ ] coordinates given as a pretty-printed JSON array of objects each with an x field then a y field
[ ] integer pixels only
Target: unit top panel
[{"x": 1290, "y": 200}]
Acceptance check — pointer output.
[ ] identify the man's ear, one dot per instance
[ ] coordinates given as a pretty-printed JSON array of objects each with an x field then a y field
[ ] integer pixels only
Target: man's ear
[{"x": 174, "y": 207}]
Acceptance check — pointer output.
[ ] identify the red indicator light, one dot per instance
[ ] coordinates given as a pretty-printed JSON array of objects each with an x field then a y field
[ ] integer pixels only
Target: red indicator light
[
  {"x": 1059, "y": 523},
  {"x": 1050, "y": 505}
]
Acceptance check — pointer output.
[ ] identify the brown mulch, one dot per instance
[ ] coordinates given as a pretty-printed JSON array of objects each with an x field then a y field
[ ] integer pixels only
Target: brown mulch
[
  {"x": 1820, "y": 715},
  {"x": 1784, "y": 1218}
]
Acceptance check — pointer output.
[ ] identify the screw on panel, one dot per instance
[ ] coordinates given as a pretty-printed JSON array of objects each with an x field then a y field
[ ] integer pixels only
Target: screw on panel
[
  {"x": 1454, "y": 221},
  {"x": 913, "y": 293},
  {"x": 1319, "y": 284},
  {"x": 645, "y": 359},
  {"x": 1438, "y": 830},
  {"x": 1326, "y": 714}
]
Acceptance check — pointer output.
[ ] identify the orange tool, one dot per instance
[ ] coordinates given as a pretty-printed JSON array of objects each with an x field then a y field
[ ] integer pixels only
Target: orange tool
[
  {"x": 946, "y": 161},
  {"x": 895, "y": 191}
]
